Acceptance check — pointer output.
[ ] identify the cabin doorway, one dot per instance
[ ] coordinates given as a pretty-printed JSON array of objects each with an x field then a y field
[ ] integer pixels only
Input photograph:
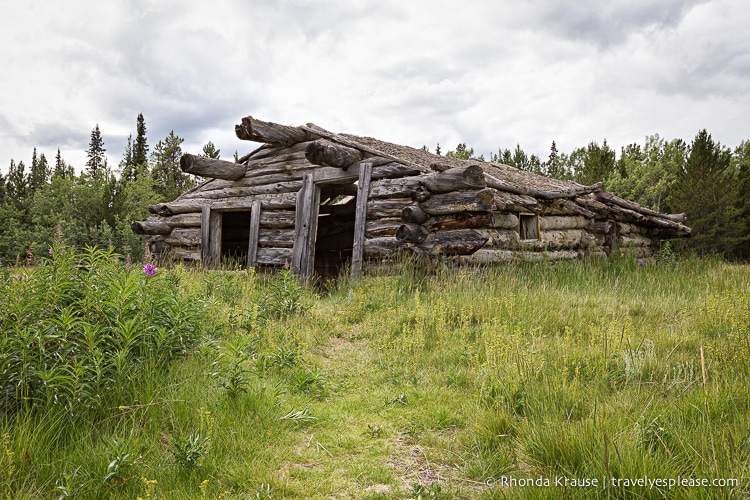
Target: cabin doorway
[
  {"x": 235, "y": 238},
  {"x": 334, "y": 240}
]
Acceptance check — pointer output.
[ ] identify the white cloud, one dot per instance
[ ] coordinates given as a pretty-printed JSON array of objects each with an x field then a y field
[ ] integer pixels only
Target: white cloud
[{"x": 491, "y": 74}]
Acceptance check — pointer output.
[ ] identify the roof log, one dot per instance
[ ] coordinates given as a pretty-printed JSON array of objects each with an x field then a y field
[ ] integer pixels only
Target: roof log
[
  {"x": 252, "y": 129},
  {"x": 212, "y": 167}
]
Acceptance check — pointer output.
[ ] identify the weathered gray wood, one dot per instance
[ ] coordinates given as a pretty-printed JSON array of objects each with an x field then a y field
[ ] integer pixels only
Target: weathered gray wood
[
  {"x": 206, "y": 235},
  {"x": 360, "y": 218},
  {"x": 184, "y": 237},
  {"x": 274, "y": 256},
  {"x": 455, "y": 179},
  {"x": 183, "y": 220},
  {"x": 278, "y": 219},
  {"x": 460, "y": 242},
  {"x": 507, "y": 239},
  {"x": 306, "y": 229},
  {"x": 273, "y": 152},
  {"x": 400, "y": 187},
  {"x": 187, "y": 253},
  {"x": 573, "y": 192},
  {"x": 382, "y": 247},
  {"x": 382, "y": 227},
  {"x": 325, "y": 152},
  {"x": 252, "y": 246},
  {"x": 211, "y": 167},
  {"x": 411, "y": 233},
  {"x": 420, "y": 194},
  {"x": 281, "y": 238},
  {"x": 562, "y": 222},
  {"x": 239, "y": 192},
  {"x": 559, "y": 239},
  {"x": 387, "y": 208},
  {"x": 636, "y": 240},
  {"x": 252, "y": 129},
  {"x": 505, "y": 201},
  {"x": 314, "y": 129},
  {"x": 268, "y": 202},
  {"x": 151, "y": 227},
  {"x": 504, "y": 220},
  {"x": 413, "y": 214},
  {"x": 460, "y": 201},
  {"x": 460, "y": 220},
  {"x": 611, "y": 198},
  {"x": 215, "y": 238}
]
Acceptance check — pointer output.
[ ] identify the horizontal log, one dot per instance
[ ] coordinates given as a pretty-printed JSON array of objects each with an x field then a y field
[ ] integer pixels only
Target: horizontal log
[
  {"x": 387, "y": 208},
  {"x": 268, "y": 202},
  {"x": 559, "y": 239},
  {"x": 151, "y": 227},
  {"x": 505, "y": 201},
  {"x": 599, "y": 226},
  {"x": 611, "y": 198},
  {"x": 274, "y": 256},
  {"x": 184, "y": 237},
  {"x": 273, "y": 153},
  {"x": 411, "y": 233},
  {"x": 507, "y": 239},
  {"x": 588, "y": 206},
  {"x": 252, "y": 129},
  {"x": 182, "y": 220},
  {"x": 277, "y": 219},
  {"x": 460, "y": 220},
  {"x": 400, "y": 187},
  {"x": 460, "y": 242},
  {"x": 636, "y": 240},
  {"x": 544, "y": 194},
  {"x": 412, "y": 214},
  {"x": 562, "y": 222},
  {"x": 382, "y": 247},
  {"x": 420, "y": 194},
  {"x": 455, "y": 179},
  {"x": 325, "y": 152},
  {"x": 504, "y": 220},
  {"x": 234, "y": 192},
  {"x": 211, "y": 167},
  {"x": 548, "y": 255},
  {"x": 460, "y": 201},
  {"x": 280, "y": 238},
  {"x": 381, "y": 227},
  {"x": 486, "y": 256}
]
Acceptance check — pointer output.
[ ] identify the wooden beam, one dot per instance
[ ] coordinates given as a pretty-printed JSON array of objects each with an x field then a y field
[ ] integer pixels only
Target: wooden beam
[
  {"x": 325, "y": 152},
  {"x": 151, "y": 227},
  {"x": 205, "y": 235},
  {"x": 306, "y": 224},
  {"x": 252, "y": 247},
  {"x": 212, "y": 167},
  {"x": 214, "y": 225},
  {"x": 252, "y": 129},
  {"x": 360, "y": 218}
]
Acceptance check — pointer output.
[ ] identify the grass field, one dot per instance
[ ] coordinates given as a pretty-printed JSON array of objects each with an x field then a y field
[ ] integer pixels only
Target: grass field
[{"x": 578, "y": 380}]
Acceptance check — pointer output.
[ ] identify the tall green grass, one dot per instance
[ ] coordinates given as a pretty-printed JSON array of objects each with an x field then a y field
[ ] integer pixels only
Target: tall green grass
[{"x": 421, "y": 383}]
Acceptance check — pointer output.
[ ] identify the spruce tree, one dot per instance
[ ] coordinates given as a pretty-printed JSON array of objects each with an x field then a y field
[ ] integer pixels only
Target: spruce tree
[
  {"x": 39, "y": 174},
  {"x": 169, "y": 180},
  {"x": 210, "y": 151},
  {"x": 126, "y": 165},
  {"x": 95, "y": 154},
  {"x": 16, "y": 185},
  {"x": 140, "y": 148},
  {"x": 707, "y": 191}
]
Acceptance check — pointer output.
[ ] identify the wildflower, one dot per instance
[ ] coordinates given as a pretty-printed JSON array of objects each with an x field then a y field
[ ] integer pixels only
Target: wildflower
[
  {"x": 50, "y": 251},
  {"x": 149, "y": 270}
]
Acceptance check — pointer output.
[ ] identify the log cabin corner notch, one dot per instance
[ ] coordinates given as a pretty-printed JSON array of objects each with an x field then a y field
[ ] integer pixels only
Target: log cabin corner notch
[{"x": 316, "y": 200}]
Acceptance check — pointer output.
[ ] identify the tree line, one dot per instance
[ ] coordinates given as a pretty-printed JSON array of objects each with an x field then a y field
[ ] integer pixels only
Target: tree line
[
  {"x": 705, "y": 179},
  {"x": 46, "y": 199}
]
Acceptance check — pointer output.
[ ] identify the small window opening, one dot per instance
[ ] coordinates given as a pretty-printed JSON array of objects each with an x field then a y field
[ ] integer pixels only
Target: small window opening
[
  {"x": 235, "y": 237},
  {"x": 529, "y": 226}
]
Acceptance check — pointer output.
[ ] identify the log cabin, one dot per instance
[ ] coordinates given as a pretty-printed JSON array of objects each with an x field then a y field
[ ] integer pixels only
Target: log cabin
[{"x": 317, "y": 201}]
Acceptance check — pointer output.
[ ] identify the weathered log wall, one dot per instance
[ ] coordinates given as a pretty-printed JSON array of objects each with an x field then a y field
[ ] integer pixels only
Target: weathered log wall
[{"x": 461, "y": 213}]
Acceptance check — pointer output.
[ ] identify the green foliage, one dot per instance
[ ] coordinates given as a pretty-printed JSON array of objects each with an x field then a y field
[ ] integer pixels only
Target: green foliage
[
  {"x": 169, "y": 180},
  {"x": 210, "y": 151},
  {"x": 80, "y": 330},
  {"x": 284, "y": 297},
  {"x": 461, "y": 152},
  {"x": 708, "y": 191},
  {"x": 96, "y": 161},
  {"x": 189, "y": 452}
]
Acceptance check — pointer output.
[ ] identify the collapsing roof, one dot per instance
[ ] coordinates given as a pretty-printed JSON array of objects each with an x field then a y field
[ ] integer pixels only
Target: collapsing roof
[{"x": 317, "y": 201}]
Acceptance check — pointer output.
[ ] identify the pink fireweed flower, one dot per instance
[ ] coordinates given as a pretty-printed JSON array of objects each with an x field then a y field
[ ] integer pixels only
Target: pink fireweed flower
[{"x": 149, "y": 270}]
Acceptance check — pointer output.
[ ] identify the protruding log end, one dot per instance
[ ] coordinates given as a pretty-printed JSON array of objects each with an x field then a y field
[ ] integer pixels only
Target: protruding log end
[
  {"x": 212, "y": 168},
  {"x": 324, "y": 152},
  {"x": 414, "y": 215},
  {"x": 252, "y": 129},
  {"x": 411, "y": 233},
  {"x": 151, "y": 227}
]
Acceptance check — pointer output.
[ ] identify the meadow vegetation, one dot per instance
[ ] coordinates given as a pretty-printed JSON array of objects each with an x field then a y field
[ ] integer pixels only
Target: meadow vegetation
[{"x": 451, "y": 383}]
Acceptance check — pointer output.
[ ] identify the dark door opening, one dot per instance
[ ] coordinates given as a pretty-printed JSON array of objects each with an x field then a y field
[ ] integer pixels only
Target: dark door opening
[
  {"x": 235, "y": 237},
  {"x": 335, "y": 237}
]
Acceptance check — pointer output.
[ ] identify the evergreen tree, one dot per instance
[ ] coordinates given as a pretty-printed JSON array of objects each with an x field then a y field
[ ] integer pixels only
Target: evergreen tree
[
  {"x": 707, "y": 191},
  {"x": 39, "y": 174},
  {"x": 210, "y": 151},
  {"x": 461, "y": 152},
  {"x": 95, "y": 154},
  {"x": 552, "y": 167},
  {"x": 169, "y": 180},
  {"x": 140, "y": 148},
  {"x": 17, "y": 183},
  {"x": 741, "y": 169},
  {"x": 2, "y": 189},
  {"x": 594, "y": 164},
  {"x": 127, "y": 172}
]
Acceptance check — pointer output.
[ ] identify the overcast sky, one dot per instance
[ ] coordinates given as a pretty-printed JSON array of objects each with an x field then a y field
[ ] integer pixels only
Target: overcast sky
[{"x": 415, "y": 72}]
